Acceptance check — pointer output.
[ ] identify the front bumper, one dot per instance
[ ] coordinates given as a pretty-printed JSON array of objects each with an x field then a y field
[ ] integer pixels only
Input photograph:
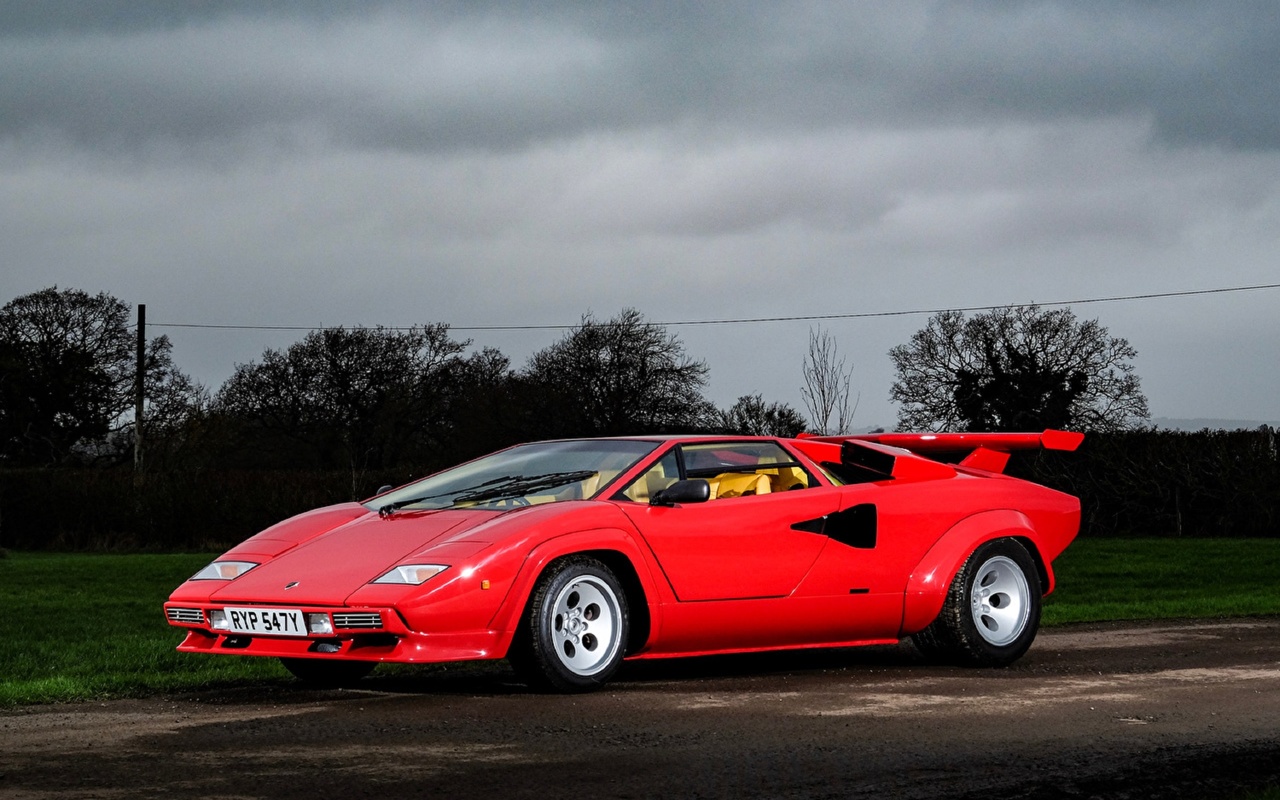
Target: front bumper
[{"x": 359, "y": 634}]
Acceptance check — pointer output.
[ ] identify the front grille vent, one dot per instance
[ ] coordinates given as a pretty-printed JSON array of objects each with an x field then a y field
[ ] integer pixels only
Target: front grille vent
[
  {"x": 364, "y": 621},
  {"x": 191, "y": 616}
]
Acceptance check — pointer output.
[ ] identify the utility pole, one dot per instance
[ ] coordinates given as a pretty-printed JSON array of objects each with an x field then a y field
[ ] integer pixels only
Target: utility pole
[{"x": 139, "y": 393}]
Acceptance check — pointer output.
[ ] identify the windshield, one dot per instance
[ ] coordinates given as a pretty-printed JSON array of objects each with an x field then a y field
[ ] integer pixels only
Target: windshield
[{"x": 529, "y": 474}]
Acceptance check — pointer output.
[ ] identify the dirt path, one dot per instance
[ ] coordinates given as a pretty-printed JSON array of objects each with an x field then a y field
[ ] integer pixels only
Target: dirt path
[{"x": 1132, "y": 710}]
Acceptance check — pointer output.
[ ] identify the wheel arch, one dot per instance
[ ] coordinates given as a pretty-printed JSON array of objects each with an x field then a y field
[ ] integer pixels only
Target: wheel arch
[
  {"x": 1043, "y": 569},
  {"x": 640, "y": 620},
  {"x": 617, "y": 551},
  {"x": 929, "y": 582}
]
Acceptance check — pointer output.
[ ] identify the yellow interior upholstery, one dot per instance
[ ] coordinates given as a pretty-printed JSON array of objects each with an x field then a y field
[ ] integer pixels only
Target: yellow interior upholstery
[
  {"x": 590, "y": 485},
  {"x": 649, "y": 484},
  {"x": 763, "y": 480},
  {"x": 737, "y": 484},
  {"x": 787, "y": 478},
  {"x": 578, "y": 490}
]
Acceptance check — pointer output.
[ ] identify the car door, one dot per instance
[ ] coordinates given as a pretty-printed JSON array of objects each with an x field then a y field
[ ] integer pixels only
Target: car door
[{"x": 741, "y": 544}]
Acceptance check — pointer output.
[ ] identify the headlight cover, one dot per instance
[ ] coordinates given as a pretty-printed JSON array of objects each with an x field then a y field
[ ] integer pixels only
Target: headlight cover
[
  {"x": 224, "y": 571},
  {"x": 413, "y": 574}
]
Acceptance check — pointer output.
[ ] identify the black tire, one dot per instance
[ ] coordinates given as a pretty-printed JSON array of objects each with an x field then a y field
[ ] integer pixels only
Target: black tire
[
  {"x": 326, "y": 674},
  {"x": 574, "y": 633},
  {"x": 992, "y": 611}
]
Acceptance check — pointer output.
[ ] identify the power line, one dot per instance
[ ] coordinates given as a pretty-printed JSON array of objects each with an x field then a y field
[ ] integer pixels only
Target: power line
[{"x": 760, "y": 320}]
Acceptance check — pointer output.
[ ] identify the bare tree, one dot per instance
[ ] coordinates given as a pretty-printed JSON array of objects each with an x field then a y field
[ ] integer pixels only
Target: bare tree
[
  {"x": 1016, "y": 368},
  {"x": 827, "y": 386}
]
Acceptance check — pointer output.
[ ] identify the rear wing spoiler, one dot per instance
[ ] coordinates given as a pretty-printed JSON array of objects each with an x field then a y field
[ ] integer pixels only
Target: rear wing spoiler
[{"x": 884, "y": 452}]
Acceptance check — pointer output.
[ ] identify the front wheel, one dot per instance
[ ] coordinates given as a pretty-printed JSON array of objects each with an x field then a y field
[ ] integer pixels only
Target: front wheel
[
  {"x": 575, "y": 630},
  {"x": 992, "y": 611},
  {"x": 327, "y": 674}
]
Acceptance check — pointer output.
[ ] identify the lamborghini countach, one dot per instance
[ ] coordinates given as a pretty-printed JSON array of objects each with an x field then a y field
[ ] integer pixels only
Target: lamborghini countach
[{"x": 569, "y": 557}]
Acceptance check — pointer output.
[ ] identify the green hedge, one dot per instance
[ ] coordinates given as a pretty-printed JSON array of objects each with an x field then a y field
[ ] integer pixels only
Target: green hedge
[
  {"x": 1142, "y": 483},
  {"x": 1169, "y": 483}
]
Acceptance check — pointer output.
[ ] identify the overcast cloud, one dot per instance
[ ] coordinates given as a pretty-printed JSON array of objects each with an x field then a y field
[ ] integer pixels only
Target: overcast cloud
[{"x": 343, "y": 163}]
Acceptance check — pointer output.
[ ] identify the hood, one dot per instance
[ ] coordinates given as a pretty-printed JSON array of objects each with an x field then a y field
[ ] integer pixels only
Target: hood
[{"x": 328, "y": 568}]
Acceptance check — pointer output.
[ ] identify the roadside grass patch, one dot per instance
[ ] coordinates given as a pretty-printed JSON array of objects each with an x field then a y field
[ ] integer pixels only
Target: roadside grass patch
[
  {"x": 1113, "y": 579},
  {"x": 81, "y": 626},
  {"x": 76, "y": 626}
]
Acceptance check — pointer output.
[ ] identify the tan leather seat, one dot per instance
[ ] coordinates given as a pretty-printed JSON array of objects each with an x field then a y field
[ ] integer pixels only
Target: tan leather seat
[
  {"x": 590, "y": 486},
  {"x": 739, "y": 484},
  {"x": 649, "y": 484},
  {"x": 787, "y": 478}
]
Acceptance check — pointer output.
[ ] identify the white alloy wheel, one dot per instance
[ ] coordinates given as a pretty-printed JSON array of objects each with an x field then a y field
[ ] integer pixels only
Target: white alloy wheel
[
  {"x": 992, "y": 609},
  {"x": 1000, "y": 601},
  {"x": 575, "y": 629},
  {"x": 586, "y": 625}
]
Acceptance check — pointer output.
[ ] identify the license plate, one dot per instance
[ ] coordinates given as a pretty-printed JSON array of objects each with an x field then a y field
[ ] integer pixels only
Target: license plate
[{"x": 267, "y": 621}]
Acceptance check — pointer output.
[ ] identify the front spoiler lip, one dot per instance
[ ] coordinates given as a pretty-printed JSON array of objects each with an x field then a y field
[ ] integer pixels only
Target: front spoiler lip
[{"x": 393, "y": 642}]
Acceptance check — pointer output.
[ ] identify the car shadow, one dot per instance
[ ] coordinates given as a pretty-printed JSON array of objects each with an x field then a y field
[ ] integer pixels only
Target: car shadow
[
  {"x": 776, "y": 662},
  {"x": 498, "y": 678}
]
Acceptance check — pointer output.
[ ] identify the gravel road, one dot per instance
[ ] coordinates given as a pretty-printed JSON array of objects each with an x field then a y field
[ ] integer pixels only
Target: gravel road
[{"x": 1130, "y": 710}]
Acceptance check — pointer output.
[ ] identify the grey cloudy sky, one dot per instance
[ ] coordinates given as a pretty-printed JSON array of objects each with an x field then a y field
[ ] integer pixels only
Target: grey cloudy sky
[{"x": 523, "y": 163}]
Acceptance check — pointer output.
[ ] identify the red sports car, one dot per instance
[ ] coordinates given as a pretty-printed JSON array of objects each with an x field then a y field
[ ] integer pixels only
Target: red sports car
[{"x": 567, "y": 557}]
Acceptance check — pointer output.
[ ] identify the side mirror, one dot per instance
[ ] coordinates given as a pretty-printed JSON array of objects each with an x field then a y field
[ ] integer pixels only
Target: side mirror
[{"x": 693, "y": 490}]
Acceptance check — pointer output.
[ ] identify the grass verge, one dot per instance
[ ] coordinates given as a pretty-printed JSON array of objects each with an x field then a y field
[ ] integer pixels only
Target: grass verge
[
  {"x": 80, "y": 626},
  {"x": 1111, "y": 579}
]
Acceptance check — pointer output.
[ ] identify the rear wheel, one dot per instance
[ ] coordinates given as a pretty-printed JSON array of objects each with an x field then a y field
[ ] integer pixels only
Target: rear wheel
[
  {"x": 574, "y": 633},
  {"x": 328, "y": 674},
  {"x": 992, "y": 611}
]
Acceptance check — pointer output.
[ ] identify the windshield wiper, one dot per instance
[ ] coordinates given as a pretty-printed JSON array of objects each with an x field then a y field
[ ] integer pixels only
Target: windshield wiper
[
  {"x": 522, "y": 485},
  {"x": 391, "y": 508}
]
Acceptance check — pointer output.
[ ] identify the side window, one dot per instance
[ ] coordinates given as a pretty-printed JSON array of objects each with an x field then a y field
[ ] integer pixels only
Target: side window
[
  {"x": 741, "y": 469},
  {"x": 658, "y": 477}
]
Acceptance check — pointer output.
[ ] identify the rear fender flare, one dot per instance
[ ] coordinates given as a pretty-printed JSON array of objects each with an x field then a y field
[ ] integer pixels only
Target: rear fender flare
[
  {"x": 931, "y": 579},
  {"x": 616, "y": 548}
]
